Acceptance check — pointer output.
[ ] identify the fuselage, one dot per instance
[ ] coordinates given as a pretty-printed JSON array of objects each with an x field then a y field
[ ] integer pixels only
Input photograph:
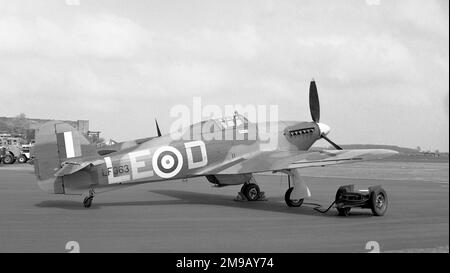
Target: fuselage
[{"x": 199, "y": 148}]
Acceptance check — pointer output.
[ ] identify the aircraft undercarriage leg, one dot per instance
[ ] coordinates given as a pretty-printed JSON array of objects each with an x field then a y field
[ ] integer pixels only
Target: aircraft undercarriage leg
[
  {"x": 87, "y": 201},
  {"x": 296, "y": 193}
]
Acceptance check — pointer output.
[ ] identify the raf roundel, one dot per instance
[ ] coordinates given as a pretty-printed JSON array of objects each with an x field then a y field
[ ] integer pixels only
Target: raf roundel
[{"x": 167, "y": 162}]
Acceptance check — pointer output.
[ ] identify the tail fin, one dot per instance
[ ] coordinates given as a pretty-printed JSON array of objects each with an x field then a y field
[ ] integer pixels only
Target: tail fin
[{"x": 57, "y": 142}]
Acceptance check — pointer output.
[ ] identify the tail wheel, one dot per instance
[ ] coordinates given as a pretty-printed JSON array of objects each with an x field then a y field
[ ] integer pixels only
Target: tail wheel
[
  {"x": 379, "y": 202},
  {"x": 22, "y": 159},
  {"x": 87, "y": 202},
  {"x": 289, "y": 201},
  {"x": 251, "y": 191},
  {"x": 8, "y": 159}
]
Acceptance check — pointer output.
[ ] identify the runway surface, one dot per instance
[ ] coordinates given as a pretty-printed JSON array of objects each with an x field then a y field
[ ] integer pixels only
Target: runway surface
[{"x": 194, "y": 216}]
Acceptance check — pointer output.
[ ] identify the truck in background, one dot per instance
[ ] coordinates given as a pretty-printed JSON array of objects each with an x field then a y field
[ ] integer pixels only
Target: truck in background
[{"x": 13, "y": 153}]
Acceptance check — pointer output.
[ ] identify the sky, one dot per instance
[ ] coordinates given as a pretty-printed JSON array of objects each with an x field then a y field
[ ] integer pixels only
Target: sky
[{"x": 381, "y": 67}]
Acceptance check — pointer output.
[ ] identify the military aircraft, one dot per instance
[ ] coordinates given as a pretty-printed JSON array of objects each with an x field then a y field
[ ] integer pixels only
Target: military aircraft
[{"x": 66, "y": 163}]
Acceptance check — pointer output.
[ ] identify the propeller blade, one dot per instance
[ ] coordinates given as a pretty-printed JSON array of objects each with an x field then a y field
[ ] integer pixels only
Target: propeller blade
[
  {"x": 157, "y": 128},
  {"x": 337, "y": 147},
  {"x": 314, "y": 105}
]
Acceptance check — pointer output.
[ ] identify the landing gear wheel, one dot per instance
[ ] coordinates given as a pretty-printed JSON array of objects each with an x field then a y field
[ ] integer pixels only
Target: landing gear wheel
[
  {"x": 378, "y": 202},
  {"x": 244, "y": 188},
  {"x": 251, "y": 191},
  {"x": 289, "y": 202},
  {"x": 87, "y": 202},
  {"x": 344, "y": 211},
  {"x": 22, "y": 159}
]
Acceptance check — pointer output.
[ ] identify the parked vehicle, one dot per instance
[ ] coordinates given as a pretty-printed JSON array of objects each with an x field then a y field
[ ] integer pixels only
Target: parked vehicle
[{"x": 9, "y": 155}]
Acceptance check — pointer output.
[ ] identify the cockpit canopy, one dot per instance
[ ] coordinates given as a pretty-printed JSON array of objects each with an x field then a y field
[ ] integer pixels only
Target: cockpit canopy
[
  {"x": 236, "y": 120},
  {"x": 220, "y": 124}
]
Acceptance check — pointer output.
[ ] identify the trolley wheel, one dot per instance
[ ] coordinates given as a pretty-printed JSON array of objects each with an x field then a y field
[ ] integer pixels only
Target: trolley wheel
[
  {"x": 378, "y": 202},
  {"x": 339, "y": 193},
  {"x": 344, "y": 211}
]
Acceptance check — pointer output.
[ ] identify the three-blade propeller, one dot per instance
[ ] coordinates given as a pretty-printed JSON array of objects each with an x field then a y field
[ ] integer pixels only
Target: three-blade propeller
[{"x": 314, "y": 107}]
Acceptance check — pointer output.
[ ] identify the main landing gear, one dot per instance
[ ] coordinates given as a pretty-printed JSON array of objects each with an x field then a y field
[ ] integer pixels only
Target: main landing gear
[
  {"x": 87, "y": 201},
  {"x": 297, "y": 189},
  {"x": 289, "y": 201},
  {"x": 250, "y": 192}
]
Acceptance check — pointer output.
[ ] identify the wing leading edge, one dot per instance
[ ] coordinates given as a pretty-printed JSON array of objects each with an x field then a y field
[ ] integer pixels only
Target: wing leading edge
[{"x": 283, "y": 160}]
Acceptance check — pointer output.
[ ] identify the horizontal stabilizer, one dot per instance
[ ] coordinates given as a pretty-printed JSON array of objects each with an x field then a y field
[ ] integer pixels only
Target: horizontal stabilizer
[{"x": 69, "y": 167}]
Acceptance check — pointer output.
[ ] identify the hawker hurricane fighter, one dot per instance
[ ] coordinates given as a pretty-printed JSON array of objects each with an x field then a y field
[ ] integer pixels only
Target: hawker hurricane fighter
[{"x": 229, "y": 152}]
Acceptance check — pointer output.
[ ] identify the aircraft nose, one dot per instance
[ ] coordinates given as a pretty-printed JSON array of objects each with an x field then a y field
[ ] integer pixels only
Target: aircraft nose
[{"x": 324, "y": 129}]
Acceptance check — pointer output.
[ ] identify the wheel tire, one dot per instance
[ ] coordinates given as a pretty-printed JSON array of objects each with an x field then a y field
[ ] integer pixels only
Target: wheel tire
[
  {"x": 339, "y": 193},
  {"x": 344, "y": 211},
  {"x": 379, "y": 202},
  {"x": 289, "y": 202},
  {"x": 22, "y": 159},
  {"x": 244, "y": 188},
  {"x": 8, "y": 159},
  {"x": 87, "y": 202},
  {"x": 252, "y": 192}
]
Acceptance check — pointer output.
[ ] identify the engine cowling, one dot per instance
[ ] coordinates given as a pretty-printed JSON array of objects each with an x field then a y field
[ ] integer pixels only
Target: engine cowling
[{"x": 222, "y": 180}]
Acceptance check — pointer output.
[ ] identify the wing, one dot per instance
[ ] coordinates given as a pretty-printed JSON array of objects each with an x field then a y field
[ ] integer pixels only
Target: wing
[{"x": 282, "y": 160}]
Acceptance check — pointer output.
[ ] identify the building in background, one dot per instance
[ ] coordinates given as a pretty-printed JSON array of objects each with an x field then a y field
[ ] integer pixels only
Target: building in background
[
  {"x": 82, "y": 126},
  {"x": 22, "y": 130},
  {"x": 9, "y": 139},
  {"x": 94, "y": 136}
]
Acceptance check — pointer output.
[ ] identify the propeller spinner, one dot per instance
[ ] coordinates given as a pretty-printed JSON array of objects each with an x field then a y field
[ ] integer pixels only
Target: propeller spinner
[{"x": 314, "y": 107}]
